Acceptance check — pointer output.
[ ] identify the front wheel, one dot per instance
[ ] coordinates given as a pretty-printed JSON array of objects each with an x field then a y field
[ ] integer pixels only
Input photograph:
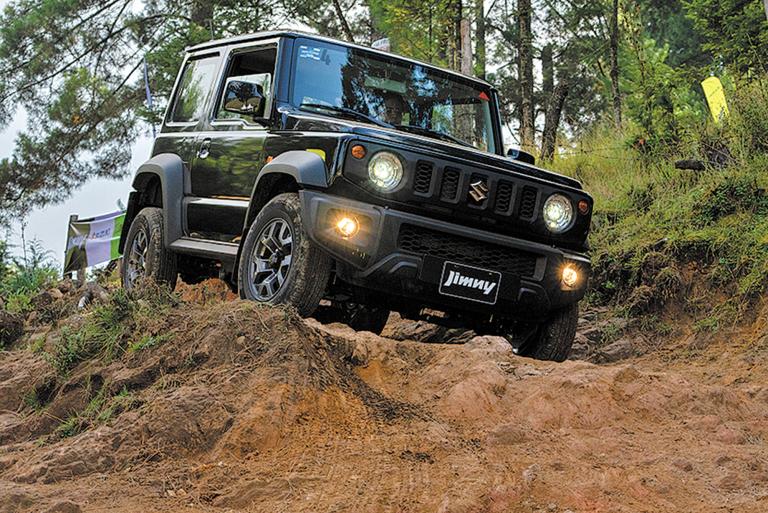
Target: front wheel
[
  {"x": 551, "y": 340},
  {"x": 145, "y": 254},
  {"x": 279, "y": 264}
]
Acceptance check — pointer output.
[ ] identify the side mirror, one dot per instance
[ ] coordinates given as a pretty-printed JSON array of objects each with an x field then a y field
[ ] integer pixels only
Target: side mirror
[
  {"x": 244, "y": 98},
  {"x": 520, "y": 155}
]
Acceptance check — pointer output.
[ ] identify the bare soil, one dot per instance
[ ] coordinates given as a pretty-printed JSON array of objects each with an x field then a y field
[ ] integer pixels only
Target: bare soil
[{"x": 248, "y": 408}]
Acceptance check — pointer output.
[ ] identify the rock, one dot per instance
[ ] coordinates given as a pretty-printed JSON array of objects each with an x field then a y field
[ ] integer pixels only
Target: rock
[
  {"x": 731, "y": 482},
  {"x": 531, "y": 473},
  {"x": 11, "y": 328},
  {"x": 729, "y": 436},
  {"x": 684, "y": 465},
  {"x": 56, "y": 294},
  {"x": 619, "y": 350},
  {"x": 581, "y": 347},
  {"x": 641, "y": 300},
  {"x": 64, "y": 507},
  {"x": 93, "y": 292}
]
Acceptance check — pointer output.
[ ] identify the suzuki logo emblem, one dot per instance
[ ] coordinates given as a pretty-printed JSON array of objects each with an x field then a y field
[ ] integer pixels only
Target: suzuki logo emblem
[{"x": 478, "y": 191}]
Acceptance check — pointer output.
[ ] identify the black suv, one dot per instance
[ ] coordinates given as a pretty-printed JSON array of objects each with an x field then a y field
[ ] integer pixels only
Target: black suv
[{"x": 349, "y": 182}]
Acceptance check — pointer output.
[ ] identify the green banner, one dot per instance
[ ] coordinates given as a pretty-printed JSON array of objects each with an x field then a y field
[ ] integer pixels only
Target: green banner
[{"x": 93, "y": 241}]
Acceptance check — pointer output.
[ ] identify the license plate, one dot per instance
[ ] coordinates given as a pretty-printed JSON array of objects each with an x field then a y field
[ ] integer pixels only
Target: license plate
[{"x": 472, "y": 283}]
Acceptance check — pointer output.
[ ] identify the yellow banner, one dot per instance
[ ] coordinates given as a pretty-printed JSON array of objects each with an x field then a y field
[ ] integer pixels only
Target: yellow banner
[{"x": 713, "y": 90}]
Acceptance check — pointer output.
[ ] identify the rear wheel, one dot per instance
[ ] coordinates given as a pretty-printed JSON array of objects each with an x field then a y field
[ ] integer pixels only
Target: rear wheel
[
  {"x": 551, "y": 340},
  {"x": 145, "y": 255},
  {"x": 279, "y": 264}
]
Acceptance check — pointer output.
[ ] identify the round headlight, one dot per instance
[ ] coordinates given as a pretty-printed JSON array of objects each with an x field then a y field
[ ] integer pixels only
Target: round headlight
[
  {"x": 385, "y": 171},
  {"x": 558, "y": 213}
]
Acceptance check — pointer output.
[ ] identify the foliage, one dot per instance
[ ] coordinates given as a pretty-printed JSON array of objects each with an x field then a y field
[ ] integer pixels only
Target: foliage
[
  {"x": 677, "y": 231},
  {"x": 23, "y": 278},
  {"x": 734, "y": 30},
  {"x": 108, "y": 329}
]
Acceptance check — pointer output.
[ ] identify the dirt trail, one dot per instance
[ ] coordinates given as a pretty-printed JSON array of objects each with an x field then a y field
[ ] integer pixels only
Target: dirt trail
[{"x": 252, "y": 409}]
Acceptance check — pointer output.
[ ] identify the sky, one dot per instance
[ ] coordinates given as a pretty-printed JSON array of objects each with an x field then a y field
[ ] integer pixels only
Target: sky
[{"x": 49, "y": 224}]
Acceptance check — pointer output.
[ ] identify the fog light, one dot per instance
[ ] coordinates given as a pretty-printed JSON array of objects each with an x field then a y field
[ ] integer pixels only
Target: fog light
[
  {"x": 570, "y": 276},
  {"x": 347, "y": 227}
]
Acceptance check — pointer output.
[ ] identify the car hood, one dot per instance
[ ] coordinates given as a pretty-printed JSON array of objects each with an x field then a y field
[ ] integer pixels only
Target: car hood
[{"x": 311, "y": 122}]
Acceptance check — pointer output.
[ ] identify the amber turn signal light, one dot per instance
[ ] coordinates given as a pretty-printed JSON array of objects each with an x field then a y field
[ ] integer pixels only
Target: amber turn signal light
[
  {"x": 583, "y": 207},
  {"x": 358, "y": 151}
]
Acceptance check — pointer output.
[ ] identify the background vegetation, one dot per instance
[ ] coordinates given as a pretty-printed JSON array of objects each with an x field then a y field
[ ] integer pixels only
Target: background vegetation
[{"x": 607, "y": 91}]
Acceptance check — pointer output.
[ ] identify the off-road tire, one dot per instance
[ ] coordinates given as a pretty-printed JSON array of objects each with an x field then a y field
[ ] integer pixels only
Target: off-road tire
[
  {"x": 160, "y": 264},
  {"x": 309, "y": 272},
  {"x": 553, "y": 340}
]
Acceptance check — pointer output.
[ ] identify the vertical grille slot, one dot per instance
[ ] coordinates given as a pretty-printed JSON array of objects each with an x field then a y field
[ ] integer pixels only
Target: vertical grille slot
[
  {"x": 528, "y": 202},
  {"x": 449, "y": 189},
  {"x": 423, "y": 178},
  {"x": 504, "y": 194}
]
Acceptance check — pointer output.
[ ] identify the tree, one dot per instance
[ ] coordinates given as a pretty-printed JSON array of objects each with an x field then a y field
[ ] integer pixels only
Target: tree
[
  {"x": 614, "y": 58},
  {"x": 734, "y": 30},
  {"x": 74, "y": 67},
  {"x": 480, "y": 43},
  {"x": 525, "y": 74},
  {"x": 552, "y": 120}
]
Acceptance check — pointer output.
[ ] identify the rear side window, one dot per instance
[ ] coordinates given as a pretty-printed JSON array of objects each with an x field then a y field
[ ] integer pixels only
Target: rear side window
[{"x": 196, "y": 82}]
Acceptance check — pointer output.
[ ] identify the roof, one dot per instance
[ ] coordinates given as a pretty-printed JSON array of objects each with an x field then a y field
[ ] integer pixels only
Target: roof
[{"x": 295, "y": 33}]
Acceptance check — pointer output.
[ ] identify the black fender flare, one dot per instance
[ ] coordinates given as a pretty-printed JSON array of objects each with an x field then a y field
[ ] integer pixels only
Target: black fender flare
[
  {"x": 169, "y": 169},
  {"x": 306, "y": 168}
]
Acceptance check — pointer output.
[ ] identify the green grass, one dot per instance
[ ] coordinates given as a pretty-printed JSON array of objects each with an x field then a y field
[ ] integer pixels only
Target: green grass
[
  {"x": 109, "y": 328},
  {"x": 100, "y": 410},
  {"x": 676, "y": 230}
]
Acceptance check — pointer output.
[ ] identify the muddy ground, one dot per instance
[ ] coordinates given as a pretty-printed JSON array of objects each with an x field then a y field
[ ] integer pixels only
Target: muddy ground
[{"x": 246, "y": 408}]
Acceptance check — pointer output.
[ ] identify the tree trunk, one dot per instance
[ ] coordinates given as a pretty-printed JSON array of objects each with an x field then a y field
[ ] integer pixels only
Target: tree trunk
[
  {"x": 614, "y": 48},
  {"x": 547, "y": 72},
  {"x": 525, "y": 74},
  {"x": 552, "y": 120},
  {"x": 480, "y": 39},
  {"x": 466, "y": 47},
  {"x": 456, "y": 36},
  {"x": 343, "y": 22},
  {"x": 201, "y": 13},
  {"x": 765, "y": 3}
]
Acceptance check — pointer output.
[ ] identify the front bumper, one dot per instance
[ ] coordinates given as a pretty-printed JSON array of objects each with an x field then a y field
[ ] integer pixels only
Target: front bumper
[{"x": 400, "y": 256}]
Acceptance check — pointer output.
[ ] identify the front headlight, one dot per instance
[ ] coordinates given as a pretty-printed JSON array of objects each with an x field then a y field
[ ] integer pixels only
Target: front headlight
[
  {"x": 558, "y": 213},
  {"x": 385, "y": 171}
]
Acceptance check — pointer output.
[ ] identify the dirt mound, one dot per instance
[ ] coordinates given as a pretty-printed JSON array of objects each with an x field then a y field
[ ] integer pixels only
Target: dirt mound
[{"x": 220, "y": 405}]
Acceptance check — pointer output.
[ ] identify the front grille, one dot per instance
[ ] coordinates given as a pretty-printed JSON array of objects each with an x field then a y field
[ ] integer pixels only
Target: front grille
[
  {"x": 423, "y": 178},
  {"x": 504, "y": 196},
  {"x": 450, "y": 186},
  {"x": 528, "y": 202},
  {"x": 426, "y": 242}
]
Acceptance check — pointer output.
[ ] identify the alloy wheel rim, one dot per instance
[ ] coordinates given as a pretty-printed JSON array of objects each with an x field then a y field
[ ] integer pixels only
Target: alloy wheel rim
[
  {"x": 271, "y": 260},
  {"x": 136, "y": 267}
]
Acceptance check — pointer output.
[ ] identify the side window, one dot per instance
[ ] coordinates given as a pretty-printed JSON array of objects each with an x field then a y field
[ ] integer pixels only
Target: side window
[
  {"x": 195, "y": 83},
  {"x": 255, "y": 67}
]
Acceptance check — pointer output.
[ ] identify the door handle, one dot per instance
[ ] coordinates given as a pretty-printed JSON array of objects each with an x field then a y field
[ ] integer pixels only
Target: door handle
[{"x": 205, "y": 149}]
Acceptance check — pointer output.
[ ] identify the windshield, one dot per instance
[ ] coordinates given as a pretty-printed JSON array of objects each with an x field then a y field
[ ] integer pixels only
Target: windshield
[{"x": 354, "y": 84}]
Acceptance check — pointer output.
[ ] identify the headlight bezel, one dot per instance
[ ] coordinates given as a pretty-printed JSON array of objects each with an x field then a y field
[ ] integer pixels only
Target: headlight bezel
[
  {"x": 380, "y": 183},
  {"x": 566, "y": 219}
]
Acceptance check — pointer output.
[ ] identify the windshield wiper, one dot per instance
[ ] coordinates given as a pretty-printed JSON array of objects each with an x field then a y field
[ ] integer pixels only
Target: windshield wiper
[
  {"x": 350, "y": 112},
  {"x": 433, "y": 133}
]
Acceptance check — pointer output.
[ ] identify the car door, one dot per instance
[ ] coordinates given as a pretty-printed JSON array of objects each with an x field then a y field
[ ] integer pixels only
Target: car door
[
  {"x": 178, "y": 134},
  {"x": 231, "y": 149}
]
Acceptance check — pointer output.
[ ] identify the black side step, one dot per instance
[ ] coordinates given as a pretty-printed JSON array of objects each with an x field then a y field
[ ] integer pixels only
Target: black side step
[{"x": 214, "y": 250}]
